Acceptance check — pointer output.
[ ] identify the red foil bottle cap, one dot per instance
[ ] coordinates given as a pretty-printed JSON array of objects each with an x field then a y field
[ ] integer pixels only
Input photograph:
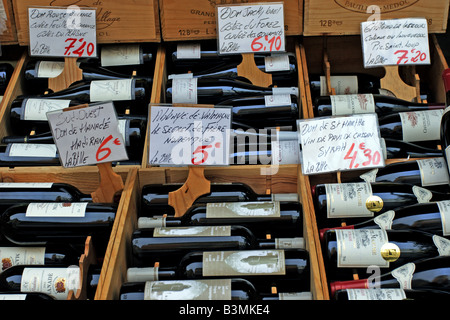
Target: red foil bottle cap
[
  {"x": 322, "y": 231},
  {"x": 446, "y": 78},
  {"x": 352, "y": 284}
]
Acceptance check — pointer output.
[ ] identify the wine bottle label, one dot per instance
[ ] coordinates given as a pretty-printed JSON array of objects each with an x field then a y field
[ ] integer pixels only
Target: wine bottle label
[
  {"x": 49, "y": 69},
  {"x": 188, "y": 51},
  {"x": 286, "y": 90},
  {"x": 352, "y": 104},
  {"x": 386, "y": 92},
  {"x": 289, "y": 243},
  {"x": 287, "y": 197},
  {"x": 383, "y": 148},
  {"x": 121, "y": 55},
  {"x": 376, "y": 294},
  {"x": 36, "y": 109},
  {"x": 142, "y": 274},
  {"x": 256, "y": 209},
  {"x": 341, "y": 85},
  {"x": 276, "y": 62},
  {"x": 13, "y": 256},
  {"x": 56, "y": 209},
  {"x": 151, "y": 222},
  {"x": 369, "y": 176},
  {"x": 384, "y": 220},
  {"x": 348, "y": 199},
  {"x": 423, "y": 195},
  {"x": 421, "y": 125},
  {"x": 40, "y": 185},
  {"x": 245, "y": 262},
  {"x": 181, "y": 76},
  {"x": 360, "y": 248},
  {"x": 275, "y": 100},
  {"x": 295, "y": 296},
  {"x": 112, "y": 90},
  {"x": 56, "y": 282},
  {"x": 404, "y": 275},
  {"x": 18, "y": 296},
  {"x": 184, "y": 90},
  {"x": 285, "y": 152},
  {"x": 444, "y": 210},
  {"x": 433, "y": 171},
  {"x": 123, "y": 126},
  {"x": 442, "y": 244},
  {"x": 203, "y": 231},
  {"x": 32, "y": 150},
  {"x": 217, "y": 289}
]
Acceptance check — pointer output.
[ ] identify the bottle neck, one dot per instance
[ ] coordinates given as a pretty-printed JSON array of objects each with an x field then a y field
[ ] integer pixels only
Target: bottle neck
[
  {"x": 150, "y": 274},
  {"x": 352, "y": 284}
]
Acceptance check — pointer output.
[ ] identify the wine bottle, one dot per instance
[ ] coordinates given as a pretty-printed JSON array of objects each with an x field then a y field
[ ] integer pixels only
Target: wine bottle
[
  {"x": 444, "y": 132},
  {"x": 149, "y": 245},
  {"x": 347, "y": 251},
  {"x": 214, "y": 91},
  {"x": 58, "y": 221},
  {"x": 205, "y": 289},
  {"x": 396, "y": 149},
  {"x": 54, "y": 281},
  {"x": 358, "y": 201},
  {"x": 288, "y": 270},
  {"x": 280, "y": 219},
  {"x": 426, "y": 274},
  {"x": 6, "y": 71},
  {"x": 346, "y": 84},
  {"x": 29, "y": 154},
  {"x": 27, "y": 296},
  {"x": 390, "y": 294},
  {"x": 422, "y": 127},
  {"x": 382, "y": 105}
]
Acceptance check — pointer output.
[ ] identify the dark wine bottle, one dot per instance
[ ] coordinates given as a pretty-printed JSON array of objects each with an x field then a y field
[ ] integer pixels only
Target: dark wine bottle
[
  {"x": 288, "y": 270},
  {"x": 280, "y": 219},
  {"x": 29, "y": 154},
  {"x": 6, "y": 71},
  {"x": 358, "y": 201},
  {"x": 217, "y": 289},
  {"x": 348, "y": 251},
  {"x": 27, "y": 296},
  {"x": 390, "y": 294},
  {"x": 445, "y": 121},
  {"x": 346, "y": 84},
  {"x": 427, "y": 274},
  {"x": 396, "y": 149}
]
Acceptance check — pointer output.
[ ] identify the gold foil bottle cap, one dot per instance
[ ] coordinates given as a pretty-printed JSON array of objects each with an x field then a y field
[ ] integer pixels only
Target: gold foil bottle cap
[
  {"x": 390, "y": 252},
  {"x": 374, "y": 203}
]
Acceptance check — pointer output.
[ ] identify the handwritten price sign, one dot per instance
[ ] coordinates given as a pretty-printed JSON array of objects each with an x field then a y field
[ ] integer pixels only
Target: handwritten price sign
[
  {"x": 251, "y": 28},
  {"x": 87, "y": 136},
  {"x": 70, "y": 32},
  {"x": 395, "y": 42},
  {"x": 340, "y": 143}
]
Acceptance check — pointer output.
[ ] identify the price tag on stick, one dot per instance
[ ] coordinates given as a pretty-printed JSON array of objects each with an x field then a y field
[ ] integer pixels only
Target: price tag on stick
[
  {"x": 331, "y": 144},
  {"x": 87, "y": 135}
]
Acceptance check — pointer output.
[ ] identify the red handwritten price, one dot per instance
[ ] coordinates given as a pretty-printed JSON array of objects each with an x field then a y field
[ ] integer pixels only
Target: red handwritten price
[
  {"x": 371, "y": 159},
  {"x": 203, "y": 153},
  {"x": 102, "y": 148},
  {"x": 413, "y": 55},
  {"x": 261, "y": 43},
  {"x": 77, "y": 47}
]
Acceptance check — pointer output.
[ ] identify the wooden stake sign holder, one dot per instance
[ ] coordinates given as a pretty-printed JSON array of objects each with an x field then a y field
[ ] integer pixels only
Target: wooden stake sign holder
[{"x": 248, "y": 69}]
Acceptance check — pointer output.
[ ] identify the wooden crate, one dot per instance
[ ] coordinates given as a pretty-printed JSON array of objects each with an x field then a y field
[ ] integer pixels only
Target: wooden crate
[
  {"x": 8, "y": 33},
  {"x": 344, "y": 17},
  {"x": 287, "y": 180},
  {"x": 117, "y": 21},
  {"x": 196, "y": 19}
]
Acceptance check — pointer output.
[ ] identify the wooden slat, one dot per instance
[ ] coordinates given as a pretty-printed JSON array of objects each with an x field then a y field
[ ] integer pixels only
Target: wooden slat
[{"x": 8, "y": 32}]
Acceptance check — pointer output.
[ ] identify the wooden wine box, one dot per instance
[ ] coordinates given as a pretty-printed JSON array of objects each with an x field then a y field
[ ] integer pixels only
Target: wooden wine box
[
  {"x": 196, "y": 19},
  {"x": 8, "y": 33},
  {"x": 117, "y": 21},
  {"x": 344, "y": 17},
  {"x": 286, "y": 180}
]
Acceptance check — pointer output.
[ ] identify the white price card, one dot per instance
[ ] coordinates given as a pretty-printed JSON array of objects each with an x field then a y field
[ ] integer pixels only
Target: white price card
[
  {"x": 395, "y": 42},
  {"x": 87, "y": 136},
  {"x": 189, "y": 135},
  {"x": 330, "y": 144},
  {"x": 57, "y": 32},
  {"x": 250, "y": 28}
]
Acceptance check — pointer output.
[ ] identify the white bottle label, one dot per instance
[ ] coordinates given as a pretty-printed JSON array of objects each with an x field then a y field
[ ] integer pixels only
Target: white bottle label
[
  {"x": 142, "y": 274},
  {"x": 32, "y": 150},
  {"x": 41, "y": 185},
  {"x": 360, "y": 248},
  {"x": 421, "y": 125},
  {"x": 293, "y": 197},
  {"x": 277, "y": 62},
  {"x": 285, "y": 152},
  {"x": 444, "y": 210},
  {"x": 188, "y": 50},
  {"x": 348, "y": 199},
  {"x": 423, "y": 195},
  {"x": 151, "y": 222},
  {"x": 112, "y": 90},
  {"x": 376, "y": 294},
  {"x": 217, "y": 289},
  {"x": 122, "y": 125},
  {"x": 277, "y": 100},
  {"x": 121, "y": 55},
  {"x": 245, "y": 262},
  {"x": 341, "y": 85},
  {"x": 352, "y": 104},
  {"x": 256, "y": 209},
  {"x": 384, "y": 220},
  {"x": 36, "y": 109},
  {"x": 447, "y": 155},
  {"x": 442, "y": 244},
  {"x": 13, "y": 256},
  {"x": 295, "y": 296},
  {"x": 369, "y": 176},
  {"x": 57, "y": 209},
  {"x": 18, "y": 296},
  {"x": 56, "y": 282},
  {"x": 404, "y": 275},
  {"x": 290, "y": 243},
  {"x": 197, "y": 231},
  {"x": 433, "y": 171},
  {"x": 184, "y": 90},
  {"x": 285, "y": 90},
  {"x": 49, "y": 69}
]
